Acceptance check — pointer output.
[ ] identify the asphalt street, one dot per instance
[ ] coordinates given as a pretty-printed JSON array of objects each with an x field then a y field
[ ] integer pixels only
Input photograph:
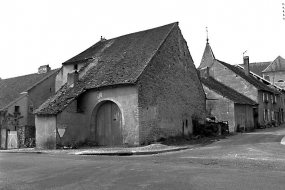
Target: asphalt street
[{"x": 243, "y": 161}]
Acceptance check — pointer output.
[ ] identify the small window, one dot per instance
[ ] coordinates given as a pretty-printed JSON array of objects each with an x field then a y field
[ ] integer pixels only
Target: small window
[
  {"x": 17, "y": 109},
  {"x": 265, "y": 97},
  {"x": 275, "y": 99}
]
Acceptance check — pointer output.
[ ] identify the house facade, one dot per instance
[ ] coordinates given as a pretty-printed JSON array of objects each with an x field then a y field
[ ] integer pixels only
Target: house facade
[
  {"x": 19, "y": 96},
  {"x": 130, "y": 90}
]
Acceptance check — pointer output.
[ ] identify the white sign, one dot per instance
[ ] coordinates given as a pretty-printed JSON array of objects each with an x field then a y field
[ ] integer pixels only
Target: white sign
[{"x": 61, "y": 132}]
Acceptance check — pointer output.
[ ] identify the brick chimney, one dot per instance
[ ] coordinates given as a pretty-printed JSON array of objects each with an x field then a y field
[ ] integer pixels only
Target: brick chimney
[
  {"x": 246, "y": 65},
  {"x": 43, "y": 69},
  {"x": 72, "y": 78}
]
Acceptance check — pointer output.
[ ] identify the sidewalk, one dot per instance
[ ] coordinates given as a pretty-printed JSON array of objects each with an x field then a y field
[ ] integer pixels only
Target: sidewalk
[{"x": 112, "y": 151}]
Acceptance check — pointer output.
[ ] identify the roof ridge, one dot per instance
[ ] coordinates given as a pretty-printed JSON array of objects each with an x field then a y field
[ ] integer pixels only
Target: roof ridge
[{"x": 28, "y": 75}]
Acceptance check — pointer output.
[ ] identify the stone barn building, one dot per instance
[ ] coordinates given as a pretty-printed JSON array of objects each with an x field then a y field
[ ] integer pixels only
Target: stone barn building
[{"x": 130, "y": 90}]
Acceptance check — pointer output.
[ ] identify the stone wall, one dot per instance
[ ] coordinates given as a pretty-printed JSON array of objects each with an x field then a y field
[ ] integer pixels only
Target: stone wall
[
  {"x": 169, "y": 92},
  {"x": 26, "y": 136}
]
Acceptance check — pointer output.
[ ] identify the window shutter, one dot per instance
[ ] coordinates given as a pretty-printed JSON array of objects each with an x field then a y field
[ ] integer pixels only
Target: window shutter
[{"x": 264, "y": 114}]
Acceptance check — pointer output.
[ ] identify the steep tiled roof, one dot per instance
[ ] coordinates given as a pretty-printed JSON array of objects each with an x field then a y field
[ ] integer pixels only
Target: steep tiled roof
[
  {"x": 257, "y": 67},
  {"x": 226, "y": 91},
  {"x": 11, "y": 88},
  {"x": 208, "y": 57},
  {"x": 258, "y": 84},
  {"x": 277, "y": 65},
  {"x": 116, "y": 61}
]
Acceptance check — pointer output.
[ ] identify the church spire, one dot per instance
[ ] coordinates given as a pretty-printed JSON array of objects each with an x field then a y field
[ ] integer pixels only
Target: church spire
[{"x": 208, "y": 55}]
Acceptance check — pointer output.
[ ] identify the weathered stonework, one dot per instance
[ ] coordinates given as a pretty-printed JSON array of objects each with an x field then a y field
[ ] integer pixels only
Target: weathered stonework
[{"x": 170, "y": 92}]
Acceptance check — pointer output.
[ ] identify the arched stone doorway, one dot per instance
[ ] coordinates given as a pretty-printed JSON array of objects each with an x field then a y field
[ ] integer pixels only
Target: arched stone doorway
[{"x": 108, "y": 124}]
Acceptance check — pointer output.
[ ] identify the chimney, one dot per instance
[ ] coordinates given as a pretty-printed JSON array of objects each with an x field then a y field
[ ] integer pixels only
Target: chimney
[
  {"x": 72, "y": 78},
  {"x": 43, "y": 69},
  {"x": 246, "y": 65}
]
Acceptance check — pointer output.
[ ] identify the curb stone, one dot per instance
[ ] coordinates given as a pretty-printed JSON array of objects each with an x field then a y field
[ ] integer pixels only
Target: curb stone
[
  {"x": 106, "y": 153},
  {"x": 129, "y": 153}
]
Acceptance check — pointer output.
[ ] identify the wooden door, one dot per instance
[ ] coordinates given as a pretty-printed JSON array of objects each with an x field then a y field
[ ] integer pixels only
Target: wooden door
[{"x": 109, "y": 125}]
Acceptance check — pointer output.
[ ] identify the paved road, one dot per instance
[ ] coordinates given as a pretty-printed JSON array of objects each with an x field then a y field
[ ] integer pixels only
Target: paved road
[{"x": 243, "y": 161}]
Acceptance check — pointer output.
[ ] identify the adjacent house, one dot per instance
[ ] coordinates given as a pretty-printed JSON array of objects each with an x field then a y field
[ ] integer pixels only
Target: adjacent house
[
  {"x": 275, "y": 72},
  {"x": 133, "y": 89},
  {"x": 272, "y": 71},
  {"x": 19, "y": 96},
  {"x": 226, "y": 104},
  {"x": 267, "y": 96}
]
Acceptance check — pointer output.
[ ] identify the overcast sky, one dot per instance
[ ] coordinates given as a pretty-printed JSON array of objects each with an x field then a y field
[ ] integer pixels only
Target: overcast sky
[{"x": 35, "y": 33}]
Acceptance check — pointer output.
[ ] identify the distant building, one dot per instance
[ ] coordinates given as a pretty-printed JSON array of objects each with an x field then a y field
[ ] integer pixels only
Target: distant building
[
  {"x": 269, "y": 98},
  {"x": 19, "y": 96},
  {"x": 273, "y": 71}
]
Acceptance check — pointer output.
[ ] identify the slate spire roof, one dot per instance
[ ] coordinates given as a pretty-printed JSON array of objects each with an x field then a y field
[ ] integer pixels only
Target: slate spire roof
[
  {"x": 226, "y": 91},
  {"x": 208, "y": 56},
  {"x": 277, "y": 65},
  {"x": 115, "y": 61},
  {"x": 11, "y": 88}
]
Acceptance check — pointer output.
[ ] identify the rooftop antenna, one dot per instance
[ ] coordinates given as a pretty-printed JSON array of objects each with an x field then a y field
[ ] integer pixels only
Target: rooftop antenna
[
  {"x": 207, "y": 35},
  {"x": 244, "y": 53}
]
